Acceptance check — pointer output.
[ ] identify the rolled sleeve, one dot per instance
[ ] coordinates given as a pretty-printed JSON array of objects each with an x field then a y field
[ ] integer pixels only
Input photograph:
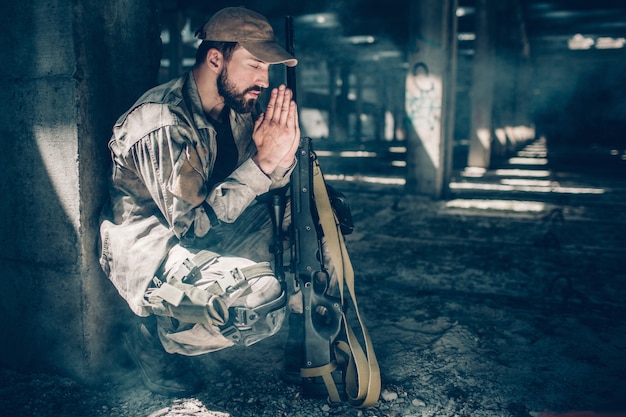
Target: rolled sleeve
[
  {"x": 280, "y": 177},
  {"x": 231, "y": 197}
]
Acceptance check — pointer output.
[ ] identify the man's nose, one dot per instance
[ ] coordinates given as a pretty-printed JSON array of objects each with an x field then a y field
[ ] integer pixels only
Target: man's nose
[{"x": 263, "y": 79}]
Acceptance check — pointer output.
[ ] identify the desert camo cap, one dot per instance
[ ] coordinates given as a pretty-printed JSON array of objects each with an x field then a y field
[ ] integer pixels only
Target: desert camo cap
[{"x": 251, "y": 30}]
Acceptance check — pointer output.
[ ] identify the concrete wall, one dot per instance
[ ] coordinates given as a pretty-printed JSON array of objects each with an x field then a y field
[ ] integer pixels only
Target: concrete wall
[{"x": 69, "y": 68}]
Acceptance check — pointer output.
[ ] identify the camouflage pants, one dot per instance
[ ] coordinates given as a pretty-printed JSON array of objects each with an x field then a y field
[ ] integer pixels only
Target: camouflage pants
[{"x": 212, "y": 306}]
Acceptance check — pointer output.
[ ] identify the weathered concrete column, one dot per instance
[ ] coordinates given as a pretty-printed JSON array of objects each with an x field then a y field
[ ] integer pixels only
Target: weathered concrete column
[
  {"x": 523, "y": 109},
  {"x": 511, "y": 114},
  {"x": 429, "y": 95},
  {"x": 338, "y": 115},
  {"x": 481, "y": 124},
  {"x": 504, "y": 78},
  {"x": 358, "y": 106},
  {"x": 69, "y": 69},
  {"x": 175, "y": 23},
  {"x": 343, "y": 109},
  {"x": 382, "y": 94},
  {"x": 333, "y": 70}
]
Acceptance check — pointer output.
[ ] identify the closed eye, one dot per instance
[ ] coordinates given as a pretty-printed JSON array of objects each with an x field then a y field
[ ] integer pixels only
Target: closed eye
[{"x": 257, "y": 64}]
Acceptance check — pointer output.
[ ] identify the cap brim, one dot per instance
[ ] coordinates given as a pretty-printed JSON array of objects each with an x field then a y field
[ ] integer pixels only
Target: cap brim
[{"x": 270, "y": 52}]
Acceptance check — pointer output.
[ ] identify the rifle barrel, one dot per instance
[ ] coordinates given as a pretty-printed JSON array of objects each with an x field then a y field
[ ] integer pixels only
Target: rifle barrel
[{"x": 291, "y": 71}]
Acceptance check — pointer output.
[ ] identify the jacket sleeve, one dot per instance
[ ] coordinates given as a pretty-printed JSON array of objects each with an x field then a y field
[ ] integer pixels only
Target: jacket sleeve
[
  {"x": 174, "y": 172},
  {"x": 230, "y": 198}
]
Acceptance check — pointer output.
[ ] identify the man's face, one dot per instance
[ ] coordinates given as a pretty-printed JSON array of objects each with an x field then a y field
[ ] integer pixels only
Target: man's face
[{"x": 242, "y": 80}]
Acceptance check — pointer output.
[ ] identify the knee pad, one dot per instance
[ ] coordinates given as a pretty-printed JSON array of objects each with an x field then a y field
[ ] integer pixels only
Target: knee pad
[
  {"x": 217, "y": 297},
  {"x": 258, "y": 314}
]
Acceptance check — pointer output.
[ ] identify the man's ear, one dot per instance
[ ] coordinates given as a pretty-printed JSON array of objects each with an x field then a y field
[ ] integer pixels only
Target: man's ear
[{"x": 214, "y": 60}]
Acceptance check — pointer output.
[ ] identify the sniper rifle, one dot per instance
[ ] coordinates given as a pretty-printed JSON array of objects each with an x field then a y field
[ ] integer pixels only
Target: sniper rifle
[{"x": 322, "y": 349}]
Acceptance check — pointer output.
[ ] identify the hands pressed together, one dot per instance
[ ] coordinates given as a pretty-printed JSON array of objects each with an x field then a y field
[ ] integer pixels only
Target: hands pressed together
[{"x": 277, "y": 132}]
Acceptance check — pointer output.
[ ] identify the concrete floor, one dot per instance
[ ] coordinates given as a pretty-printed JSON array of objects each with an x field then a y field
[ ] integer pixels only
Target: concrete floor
[{"x": 507, "y": 299}]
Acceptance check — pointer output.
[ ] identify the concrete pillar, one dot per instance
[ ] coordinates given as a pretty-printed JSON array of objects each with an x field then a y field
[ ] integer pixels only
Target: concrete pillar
[
  {"x": 429, "y": 95},
  {"x": 523, "y": 109},
  {"x": 343, "y": 109},
  {"x": 512, "y": 76},
  {"x": 68, "y": 70},
  {"x": 398, "y": 98},
  {"x": 333, "y": 71},
  {"x": 481, "y": 123},
  {"x": 358, "y": 106},
  {"x": 382, "y": 93},
  {"x": 338, "y": 109},
  {"x": 175, "y": 23},
  {"x": 504, "y": 78}
]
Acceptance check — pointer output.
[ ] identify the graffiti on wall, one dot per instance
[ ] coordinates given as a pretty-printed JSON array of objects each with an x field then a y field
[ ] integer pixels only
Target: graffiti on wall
[{"x": 423, "y": 107}]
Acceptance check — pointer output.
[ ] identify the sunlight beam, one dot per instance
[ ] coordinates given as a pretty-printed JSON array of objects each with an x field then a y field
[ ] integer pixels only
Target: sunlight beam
[
  {"x": 503, "y": 205},
  {"x": 53, "y": 156},
  {"x": 522, "y": 173},
  {"x": 366, "y": 179},
  {"x": 528, "y": 161},
  {"x": 525, "y": 188}
]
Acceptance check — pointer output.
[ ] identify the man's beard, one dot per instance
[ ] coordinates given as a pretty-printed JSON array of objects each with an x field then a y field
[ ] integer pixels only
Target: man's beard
[{"x": 232, "y": 98}]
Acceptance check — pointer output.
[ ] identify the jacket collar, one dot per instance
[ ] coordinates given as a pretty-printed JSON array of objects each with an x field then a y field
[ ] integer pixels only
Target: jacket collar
[{"x": 190, "y": 91}]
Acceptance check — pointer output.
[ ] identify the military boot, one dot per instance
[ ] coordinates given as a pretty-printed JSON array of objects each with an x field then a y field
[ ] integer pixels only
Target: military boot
[{"x": 161, "y": 372}]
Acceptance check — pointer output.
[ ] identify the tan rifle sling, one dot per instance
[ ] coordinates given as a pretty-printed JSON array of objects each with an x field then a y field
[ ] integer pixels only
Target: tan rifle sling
[{"x": 362, "y": 375}]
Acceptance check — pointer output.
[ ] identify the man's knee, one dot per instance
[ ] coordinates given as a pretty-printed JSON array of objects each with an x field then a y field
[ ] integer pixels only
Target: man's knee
[{"x": 209, "y": 302}]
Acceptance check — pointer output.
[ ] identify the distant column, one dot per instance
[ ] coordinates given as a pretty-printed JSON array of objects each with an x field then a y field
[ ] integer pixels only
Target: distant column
[
  {"x": 384, "y": 101},
  {"x": 523, "y": 109},
  {"x": 358, "y": 107},
  {"x": 482, "y": 89},
  {"x": 342, "y": 126},
  {"x": 175, "y": 23},
  {"x": 332, "y": 99},
  {"x": 429, "y": 99}
]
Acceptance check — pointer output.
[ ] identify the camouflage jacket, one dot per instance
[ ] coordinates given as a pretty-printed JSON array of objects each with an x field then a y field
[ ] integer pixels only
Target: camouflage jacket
[{"x": 163, "y": 151}]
